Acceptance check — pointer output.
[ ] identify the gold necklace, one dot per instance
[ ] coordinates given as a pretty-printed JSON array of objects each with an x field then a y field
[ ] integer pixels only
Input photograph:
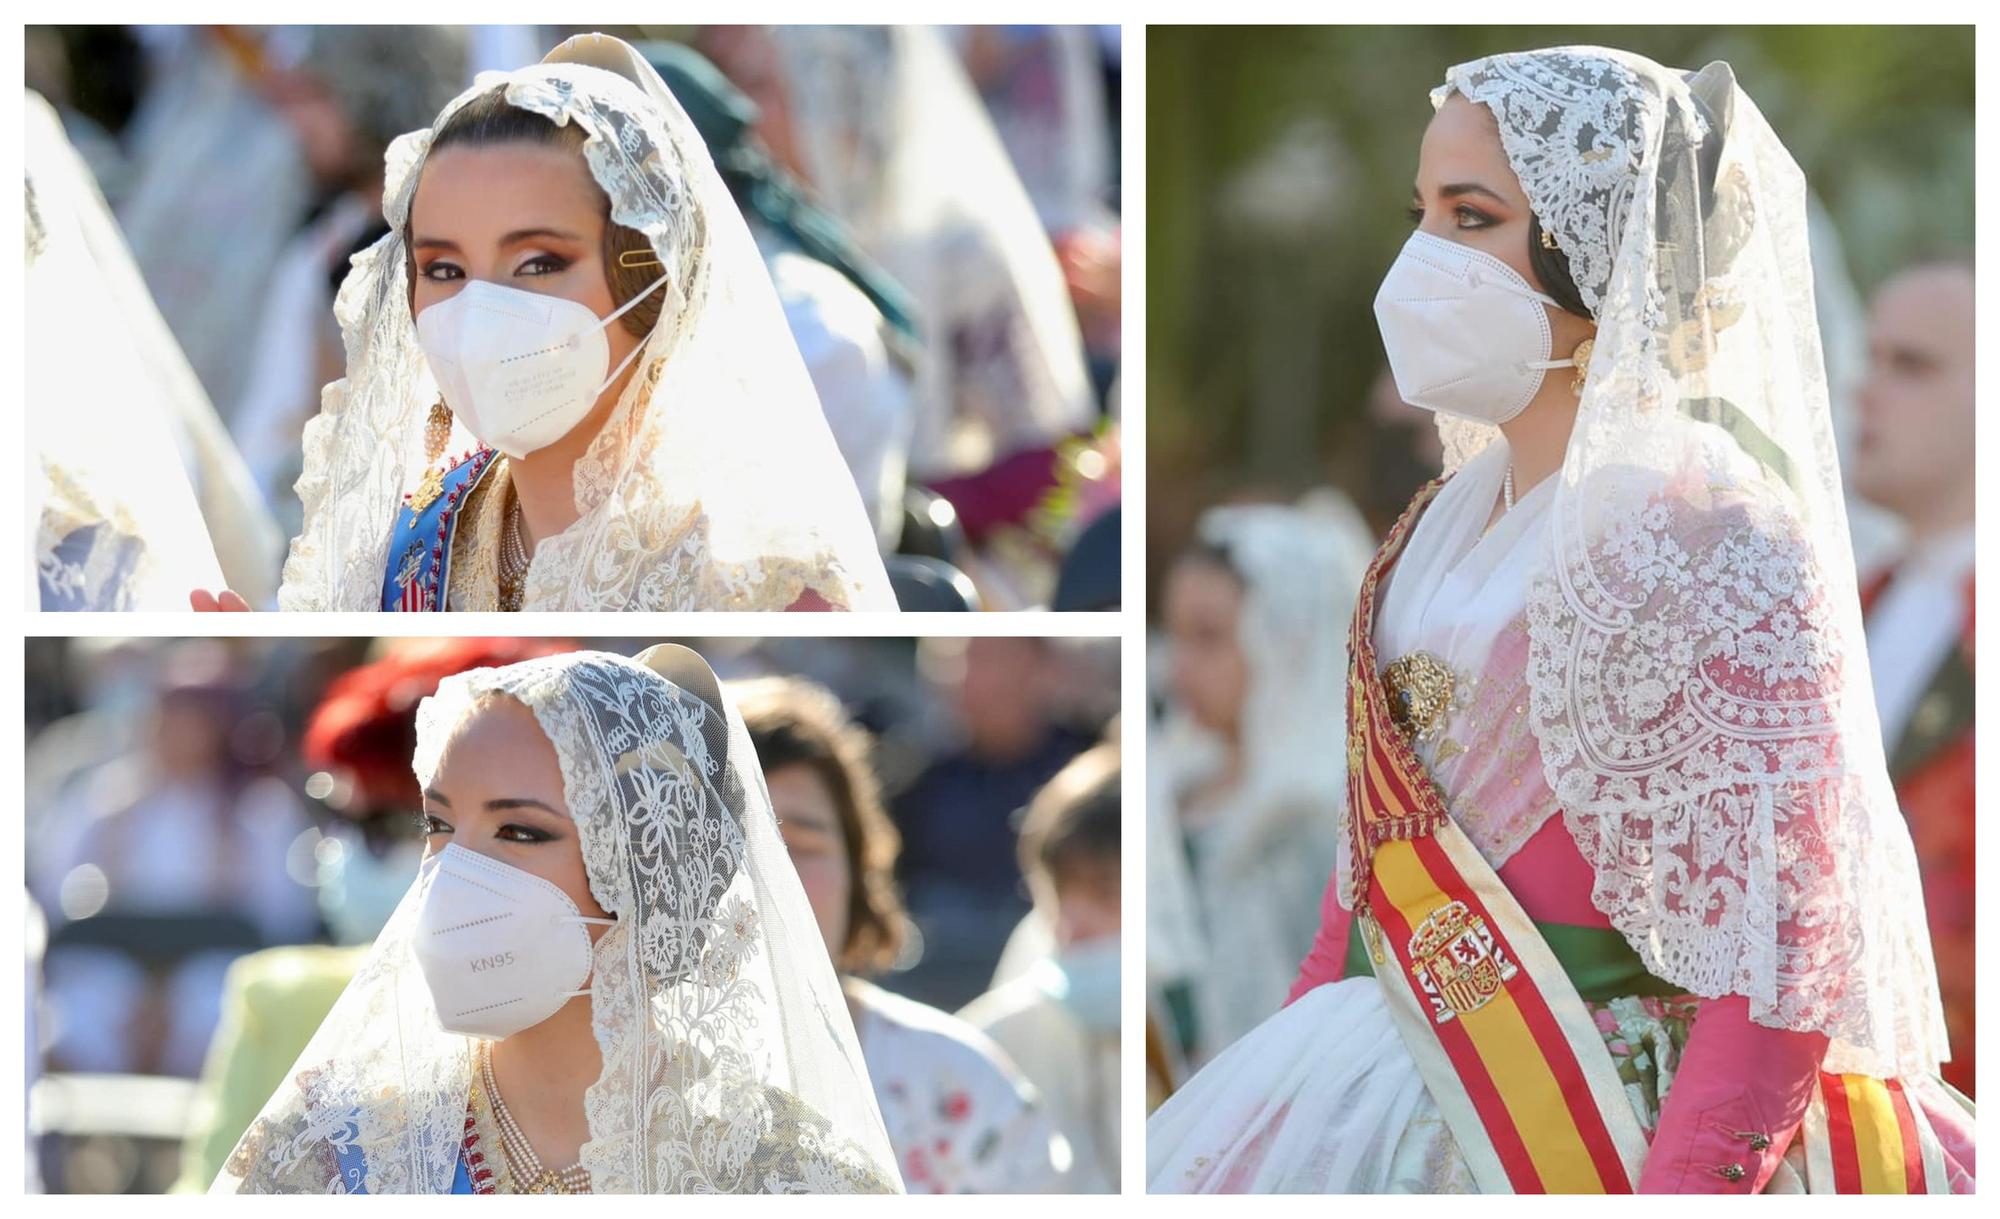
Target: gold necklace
[
  {"x": 514, "y": 559},
  {"x": 530, "y": 1175}
]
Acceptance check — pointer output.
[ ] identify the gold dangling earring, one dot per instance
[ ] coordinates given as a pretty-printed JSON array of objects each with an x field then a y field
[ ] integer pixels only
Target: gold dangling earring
[
  {"x": 1582, "y": 357},
  {"x": 437, "y": 431}
]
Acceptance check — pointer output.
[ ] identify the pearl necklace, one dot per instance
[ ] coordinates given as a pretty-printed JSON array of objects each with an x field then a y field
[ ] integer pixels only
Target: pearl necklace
[
  {"x": 513, "y": 560},
  {"x": 529, "y": 1173},
  {"x": 1507, "y": 488}
]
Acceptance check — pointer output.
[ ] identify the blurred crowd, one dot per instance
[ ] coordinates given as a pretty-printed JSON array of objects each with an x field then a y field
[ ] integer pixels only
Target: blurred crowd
[
  {"x": 216, "y": 830},
  {"x": 938, "y": 209},
  {"x": 1254, "y": 573}
]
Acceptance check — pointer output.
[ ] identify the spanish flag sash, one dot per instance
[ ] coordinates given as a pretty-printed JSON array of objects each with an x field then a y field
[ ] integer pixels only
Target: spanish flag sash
[{"x": 1506, "y": 1047}]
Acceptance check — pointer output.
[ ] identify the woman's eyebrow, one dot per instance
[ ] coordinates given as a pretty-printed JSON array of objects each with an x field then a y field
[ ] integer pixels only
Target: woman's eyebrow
[
  {"x": 510, "y": 803},
  {"x": 812, "y": 821},
  {"x": 432, "y": 793},
  {"x": 1469, "y": 188},
  {"x": 521, "y": 235},
  {"x": 514, "y": 238}
]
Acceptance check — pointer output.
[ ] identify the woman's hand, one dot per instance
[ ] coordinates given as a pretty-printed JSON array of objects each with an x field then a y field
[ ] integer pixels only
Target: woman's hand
[{"x": 224, "y": 602}]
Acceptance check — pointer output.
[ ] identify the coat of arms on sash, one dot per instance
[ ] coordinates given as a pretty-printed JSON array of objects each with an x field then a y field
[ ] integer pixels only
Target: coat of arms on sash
[
  {"x": 409, "y": 578},
  {"x": 1456, "y": 962}
]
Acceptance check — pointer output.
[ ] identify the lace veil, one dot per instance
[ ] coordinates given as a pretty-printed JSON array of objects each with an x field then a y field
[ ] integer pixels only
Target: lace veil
[
  {"x": 114, "y": 519},
  {"x": 715, "y": 483},
  {"x": 1698, "y": 675},
  {"x": 730, "y": 1064},
  {"x": 899, "y": 146}
]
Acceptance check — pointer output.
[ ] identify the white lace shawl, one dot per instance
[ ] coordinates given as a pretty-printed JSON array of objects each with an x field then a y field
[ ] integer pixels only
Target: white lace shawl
[
  {"x": 902, "y": 149},
  {"x": 730, "y": 1064},
  {"x": 715, "y": 484},
  {"x": 1700, "y": 685}
]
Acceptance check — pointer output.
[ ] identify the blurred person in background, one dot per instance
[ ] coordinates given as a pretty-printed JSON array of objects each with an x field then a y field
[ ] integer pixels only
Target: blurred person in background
[
  {"x": 1248, "y": 795},
  {"x": 854, "y": 326},
  {"x": 1914, "y": 456},
  {"x": 437, "y": 474},
  {"x": 957, "y": 818},
  {"x": 190, "y": 825},
  {"x": 884, "y": 125},
  {"x": 1043, "y": 87},
  {"x": 348, "y": 93},
  {"x": 959, "y": 1114},
  {"x": 1059, "y": 1021},
  {"x": 358, "y": 744},
  {"x": 218, "y": 184}
]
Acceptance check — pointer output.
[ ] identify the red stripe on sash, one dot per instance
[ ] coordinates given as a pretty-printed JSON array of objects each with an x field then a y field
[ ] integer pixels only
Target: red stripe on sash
[
  {"x": 1840, "y": 1135},
  {"x": 1493, "y": 1114},
  {"x": 1906, "y": 1125},
  {"x": 1542, "y": 1024}
]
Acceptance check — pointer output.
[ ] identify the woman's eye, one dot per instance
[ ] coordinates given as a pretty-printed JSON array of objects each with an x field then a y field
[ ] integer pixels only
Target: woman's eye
[
  {"x": 1416, "y": 215},
  {"x": 431, "y": 825},
  {"x": 523, "y": 833},
  {"x": 547, "y": 264},
  {"x": 1470, "y": 218},
  {"x": 442, "y": 272}
]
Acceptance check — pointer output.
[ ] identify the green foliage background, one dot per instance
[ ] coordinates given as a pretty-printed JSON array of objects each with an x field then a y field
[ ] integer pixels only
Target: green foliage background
[{"x": 1278, "y": 169}]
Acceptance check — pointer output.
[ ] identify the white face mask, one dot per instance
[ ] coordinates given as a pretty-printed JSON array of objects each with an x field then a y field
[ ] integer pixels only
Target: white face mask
[
  {"x": 520, "y": 369},
  {"x": 1465, "y": 334},
  {"x": 500, "y": 949}
]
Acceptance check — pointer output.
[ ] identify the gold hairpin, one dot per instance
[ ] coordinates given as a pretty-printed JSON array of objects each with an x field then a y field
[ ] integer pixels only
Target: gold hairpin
[
  {"x": 1549, "y": 241},
  {"x": 638, "y": 258}
]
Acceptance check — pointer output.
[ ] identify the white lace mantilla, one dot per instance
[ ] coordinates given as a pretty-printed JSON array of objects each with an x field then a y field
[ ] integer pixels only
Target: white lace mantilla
[
  {"x": 714, "y": 484},
  {"x": 1698, "y": 673},
  {"x": 729, "y": 1062}
]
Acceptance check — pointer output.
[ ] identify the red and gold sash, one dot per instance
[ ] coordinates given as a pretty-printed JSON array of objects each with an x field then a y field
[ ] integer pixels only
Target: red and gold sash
[{"x": 1506, "y": 1047}]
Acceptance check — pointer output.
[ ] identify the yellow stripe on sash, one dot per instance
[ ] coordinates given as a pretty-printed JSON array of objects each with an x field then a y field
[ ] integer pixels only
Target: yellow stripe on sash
[
  {"x": 1505, "y": 1045},
  {"x": 1878, "y": 1140}
]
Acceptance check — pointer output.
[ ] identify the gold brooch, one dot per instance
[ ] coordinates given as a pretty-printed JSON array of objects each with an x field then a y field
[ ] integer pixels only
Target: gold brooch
[{"x": 1420, "y": 689}]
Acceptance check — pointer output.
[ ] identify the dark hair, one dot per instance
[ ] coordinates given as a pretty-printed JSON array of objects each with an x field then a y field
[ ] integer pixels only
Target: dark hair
[
  {"x": 1073, "y": 824},
  {"x": 793, "y": 722},
  {"x": 1551, "y": 268},
  {"x": 488, "y": 120}
]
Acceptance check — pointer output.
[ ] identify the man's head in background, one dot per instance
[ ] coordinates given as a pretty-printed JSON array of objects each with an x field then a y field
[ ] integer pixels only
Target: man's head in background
[{"x": 1914, "y": 451}]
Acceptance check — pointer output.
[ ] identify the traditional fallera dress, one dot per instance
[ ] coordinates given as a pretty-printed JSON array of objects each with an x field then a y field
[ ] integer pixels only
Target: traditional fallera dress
[
  {"x": 1628, "y": 902},
  {"x": 1348, "y": 1089}
]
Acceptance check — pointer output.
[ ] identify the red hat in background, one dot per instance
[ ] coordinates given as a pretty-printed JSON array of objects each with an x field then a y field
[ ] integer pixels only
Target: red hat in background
[{"x": 364, "y": 730}]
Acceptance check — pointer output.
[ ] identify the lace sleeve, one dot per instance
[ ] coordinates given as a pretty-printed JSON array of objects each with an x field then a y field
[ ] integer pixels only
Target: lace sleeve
[{"x": 1695, "y": 719}]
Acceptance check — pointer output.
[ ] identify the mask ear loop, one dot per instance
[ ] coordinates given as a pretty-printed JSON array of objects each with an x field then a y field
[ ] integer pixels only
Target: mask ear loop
[
  {"x": 627, "y": 307},
  {"x": 596, "y": 922}
]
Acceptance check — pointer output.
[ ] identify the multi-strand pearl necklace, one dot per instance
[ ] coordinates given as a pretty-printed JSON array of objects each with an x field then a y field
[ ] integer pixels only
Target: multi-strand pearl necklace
[
  {"x": 530, "y": 1176},
  {"x": 1507, "y": 488},
  {"x": 513, "y": 560}
]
